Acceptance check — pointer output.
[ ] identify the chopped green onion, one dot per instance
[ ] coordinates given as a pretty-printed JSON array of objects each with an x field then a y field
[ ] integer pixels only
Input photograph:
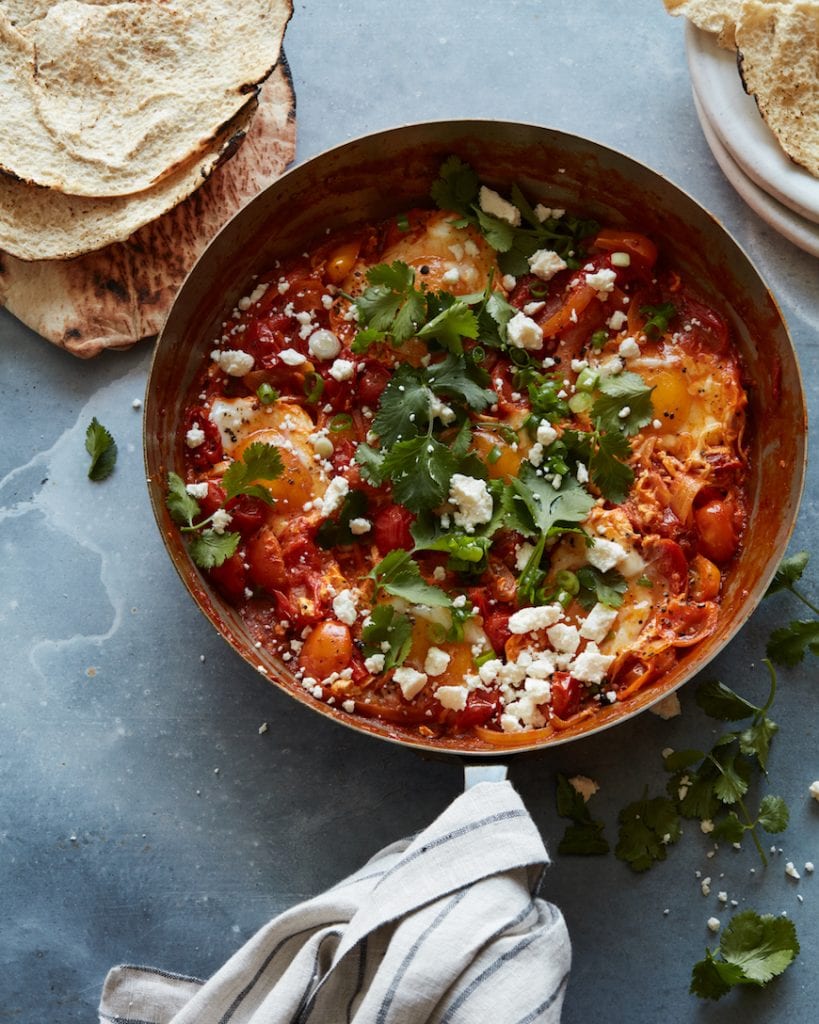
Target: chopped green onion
[
  {"x": 483, "y": 658},
  {"x": 313, "y": 387},
  {"x": 538, "y": 291},
  {"x": 402, "y": 222},
  {"x": 644, "y": 581},
  {"x": 519, "y": 357},
  {"x": 568, "y": 581},
  {"x": 478, "y": 354},
  {"x": 343, "y": 421},
  {"x": 599, "y": 339},
  {"x": 266, "y": 394},
  {"x": 494, "y": 454},
  {"x": 587, "y": 379},
  {"x": 581, "y": 402}
]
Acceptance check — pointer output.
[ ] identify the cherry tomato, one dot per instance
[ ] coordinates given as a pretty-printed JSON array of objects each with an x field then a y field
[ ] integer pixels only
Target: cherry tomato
[
  {"x": 642, "y": 250},
  {"x": 567, "y": 693},
  {"x": 391, "y": 529},
  {"x": 371, "y": 384},
  {"x": 265, "y": 561},
  {"x": 480, "y": 707},
  {"x": 704, "y": 579},
  {"x": 666, "y": 563},
  {"x": 230, "y": 578},
  {"x": 210, "y": 452},
  {"x": 714, "y": 522},
  {"x": 214, "y": 499},
  {"x": 327, "y": 649},
  {"x": 496, "y": 627},
  {"x": 248, "y": 514}
]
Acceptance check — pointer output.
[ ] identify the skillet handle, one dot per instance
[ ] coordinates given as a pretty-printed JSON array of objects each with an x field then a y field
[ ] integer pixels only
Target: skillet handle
[{"x": 489, "y": 772}]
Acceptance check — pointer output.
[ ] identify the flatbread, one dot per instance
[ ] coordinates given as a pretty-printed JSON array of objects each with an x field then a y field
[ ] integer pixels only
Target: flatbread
[
  {"x": 716, "y": 16},
  {"x": 108, "y": 99},
  {"x": 21, "y": 12},
  {"x": 779, "y": 64},
  {"x": 118, "y": 295},
  {"x": 38, "y": 223}
]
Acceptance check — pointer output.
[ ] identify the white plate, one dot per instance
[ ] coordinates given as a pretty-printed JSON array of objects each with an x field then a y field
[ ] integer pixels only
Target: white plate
[
  {"x": 743, "y": 132},
  {"x": 796, "y": 229}
]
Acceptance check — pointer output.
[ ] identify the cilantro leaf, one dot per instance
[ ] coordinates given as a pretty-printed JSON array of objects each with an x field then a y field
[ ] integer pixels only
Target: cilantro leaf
[
  {"x": 773, "y": 814},
  {"x": 460, "y": 375},
  {"x": 420, "y": 470},
  {"x": 209, "y": 549},
  {"x": 731, "y": 784},
  {"x": 788, "y": 644},
  {"x": 181, "y": 505},
  {"x": 391, "y": 303},
  {"x": 659, "y": 318},
  {"x": 754, "y": 948},
  {"x": 608, "y": 472},
  {"x": 546, "y": 505},
  {"x": 371, "y": 463},
  {"x": 102, "y": 448},
  {"x": 730, "y": 828},
  {"x": 606, "y": 587},
  {"x": 756, "y": 740},
  {"x": 720, "y": 702},
  {"x": 385, "y": 625},
  {"x": 456, "y": 188},
  {"x": 335, "y": 532},
  {"x": 399, "y": 575},
  {"x": 259, "y": 462},
  {"x": 693, "y": 792},
  {"x": 451, "y": 325},
  {"x": 585, "y": 835},
  {"x": 647, "y": 828},
  {"x": 500, "y": 234},
  {"x": 531, "y": 580},
  {"x": 404, "y": 408},
  {"x": 624, "y": 404},
  {"x": 789, "y": 572}
]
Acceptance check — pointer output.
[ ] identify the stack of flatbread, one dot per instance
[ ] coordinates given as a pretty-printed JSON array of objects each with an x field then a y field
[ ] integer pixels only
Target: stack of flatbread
[
  {"x": 130, "y": 131},
  {"x": 777, "y": 43}
]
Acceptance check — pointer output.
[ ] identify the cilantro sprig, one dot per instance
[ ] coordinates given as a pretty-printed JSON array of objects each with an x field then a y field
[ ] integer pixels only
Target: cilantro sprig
[
  {"x": 457, "y": 189},
  {"x": 210, "y": 546},
  {"x": 789, "y": 644},
  {"x": 753, "y": 949},
  {"x": 659, "y": 317},
  {"x": 390, "y": 629},
  {"x": 390, "y": 307},
  {"x": 101, "y": 446},
  {"x": 398, "y": 574},
  {"x": 585, "y": 834},
  {"x": 647, "y": 828}
]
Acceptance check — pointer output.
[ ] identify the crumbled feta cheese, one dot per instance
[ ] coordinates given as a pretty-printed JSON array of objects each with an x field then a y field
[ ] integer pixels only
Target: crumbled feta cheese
[
  {"x": 533, "y": 307},
  {"x": 452, "y": 697},
  {"x": 591, "y": 666},
  {"x": 791, "y": 871},
  {"x": 247, "y": 300},
  {"x": 342, "y": 369},
  {"x": 220, "y": 521},
  {"x": 813, "y": 789},
  {"x": 323, "y": 344},
  {"x": 233, "y": 361},
  {"x": 582, "y": 474},
  {"x": 605, "y": 554},
  {"x": 714, "y": 924},
  {"x": 545, "y": 264},
  {"x": 472, "y": 499},
  {"x": 195, "y": 436},
  {"x": 197, "y": 491},
  {"x": 336, "y": 491},
  {"x": 495, "y": 205},
  {"x": 584, "y": 786},
  {"x": 535, "y": 455},
  {"x": 668, "y": 707},
  {"x": 440, "y": 409},
  {"x": 410, "y": 681},
  {"x": 523, "y": 332},
  {"x": 358, "y": 527},
  {"x": 451, "y": 276},
  {"x": 290, "y": 357},
  {"x": 603, "y": 281},
  {"x": 375, "y": 663},
  {"x": 345, "y": 606},
  {"x": 564, "y": 638},
  {"x": 546, "y": 433},
  {"x": 509, "y": 281},
  {"x": 598, "y": 622},
  {"x": 628, "y": 348},
  {"x": 617, "y": 319},
  {"x": 436, "y": 661},
  {"x": 528, "y": 620}
]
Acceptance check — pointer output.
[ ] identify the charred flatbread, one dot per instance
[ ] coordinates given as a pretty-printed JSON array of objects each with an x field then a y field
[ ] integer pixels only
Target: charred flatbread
[
  {"x": 109, "y": 99},
  {"x": 116, "y": 296}
]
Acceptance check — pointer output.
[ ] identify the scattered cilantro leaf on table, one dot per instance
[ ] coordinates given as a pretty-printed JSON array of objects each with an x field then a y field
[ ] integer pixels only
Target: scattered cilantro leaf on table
[
  {"x": 101, "y": 446},
  {"x": 753, "y": 949},
  {"x": 647, "y": 828},
  {"x": 585, "y": 835},
  {"x": 788, "y": 645}
]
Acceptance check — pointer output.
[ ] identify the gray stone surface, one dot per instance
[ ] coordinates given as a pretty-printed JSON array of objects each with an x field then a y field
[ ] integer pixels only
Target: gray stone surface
[{"x": 144, "y": 818}]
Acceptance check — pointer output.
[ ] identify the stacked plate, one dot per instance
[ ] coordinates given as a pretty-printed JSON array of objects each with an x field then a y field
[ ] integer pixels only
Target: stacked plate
[{"x": 781, "y": 192}]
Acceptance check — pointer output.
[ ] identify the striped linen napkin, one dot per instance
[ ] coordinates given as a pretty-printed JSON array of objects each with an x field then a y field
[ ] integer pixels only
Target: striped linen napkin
[{"x": 444, "y": 927}]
